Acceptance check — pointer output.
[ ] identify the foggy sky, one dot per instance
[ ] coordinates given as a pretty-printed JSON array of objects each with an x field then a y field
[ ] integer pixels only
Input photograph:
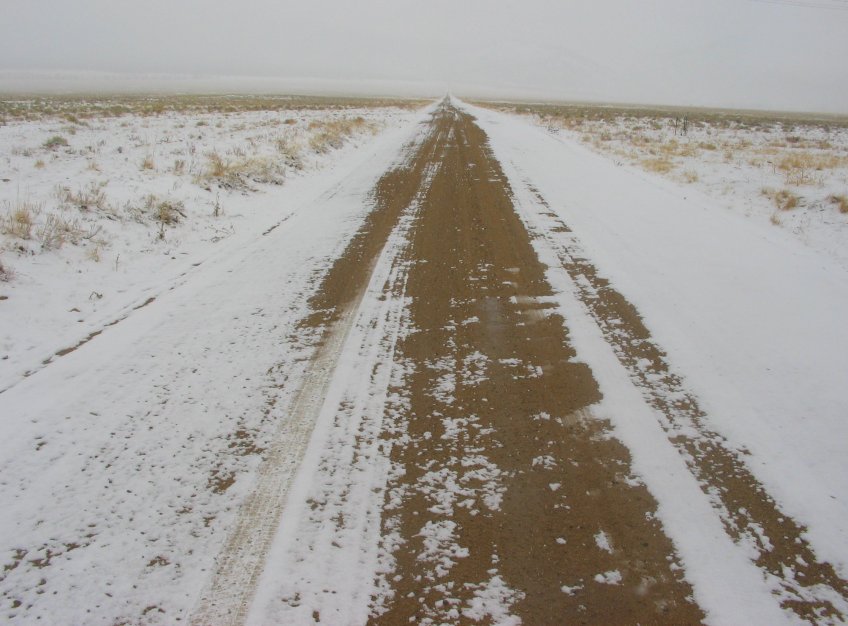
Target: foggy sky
[{"x": 735, "y": 53}]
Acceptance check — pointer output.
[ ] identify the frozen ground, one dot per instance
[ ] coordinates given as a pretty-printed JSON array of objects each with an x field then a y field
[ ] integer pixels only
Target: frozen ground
[
  {"x": 124, "y": 461},
  {"x": 417, "y": 367},
  {"x": 104, "y": 205},
  {"x": 787, "y": 170}
]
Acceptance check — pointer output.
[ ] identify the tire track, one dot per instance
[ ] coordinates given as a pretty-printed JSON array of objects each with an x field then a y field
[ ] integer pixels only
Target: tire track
[
  {"x": 807, "y": 586},
  {"x": 227, "y": 596},
  {"x": 508, "y": 501}
]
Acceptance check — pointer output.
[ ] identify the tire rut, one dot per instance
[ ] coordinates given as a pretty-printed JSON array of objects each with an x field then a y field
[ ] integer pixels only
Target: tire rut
[
  {"x": 508, "y": 501},
  {"x": 228, "y": 595},
  {"x": 807, "y": 586}
]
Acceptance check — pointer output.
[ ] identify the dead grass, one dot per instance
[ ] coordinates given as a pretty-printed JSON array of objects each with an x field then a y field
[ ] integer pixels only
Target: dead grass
[
  {"x": 690, "y": 176},
  {"x": 331, "y": 134},
  {"x": 56, "y": 230},
  {"x": 800, "y": 168},
  {"x": 840, "y": 201},
  {"x": 148, "y": 163},
  {"x": 86, "y": 199},
  {"x": 784, "y": 199},
  {"x": 55, "y": 142},
  {"x": 660, "y": 165},
  {"x": 164, "y": 211},
  {"x": 19, "y": 219},
  {"x": 290, "y": 147},
  {"x": 79, "y": 108},
  {"x": 7, "y": 274},
  {"x": 239, "y": 173}
]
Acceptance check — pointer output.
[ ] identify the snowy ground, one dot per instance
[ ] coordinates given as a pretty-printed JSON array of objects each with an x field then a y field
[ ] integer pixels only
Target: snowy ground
[
  {"x": 159, "y": 388},
  {"x": 787, "y": 170},
  {"x": 99, "y": 213},
  {"x": 123, "y": 462}
]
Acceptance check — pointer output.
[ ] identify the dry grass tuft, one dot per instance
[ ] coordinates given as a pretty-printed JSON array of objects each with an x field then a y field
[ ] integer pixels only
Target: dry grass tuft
[
  {"x": 659, "y": 165},
  {"x": 784, "y": 199},
  {"x": 19, "y": 219},
  {"x": 86, "y": 199},
  {"x": 55, "y": 142},
  {"x": 56, "y": 230},
  {"x": 330, "y": 135},
  {"x": 290, "y": 148},
  {"x": 6, "y": 273},
  {"x": 164, "y": 211},
  {"x": 148, "y": 163},
  {"x": 238, "y": 174},
  {"x": 841, "y": 202},
  {"x": 799, "y": 167}
]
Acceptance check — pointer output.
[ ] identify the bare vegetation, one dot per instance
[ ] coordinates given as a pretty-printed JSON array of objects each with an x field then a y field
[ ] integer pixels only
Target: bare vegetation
[
  {"x": 239, "y": 173},
  {"x": 784, "y": 199},
  {"x": 54, "y": 142},
  {"x": 19, "y": 219},
  {"x": 6, "y": 273},
  {"x": 840, "y": 201},
  {"x": 79, "y": 110},
  {"x": 163, "y": 163},
  {"x": 331, "y": 134},
  {"x": 88, "y": 198}
]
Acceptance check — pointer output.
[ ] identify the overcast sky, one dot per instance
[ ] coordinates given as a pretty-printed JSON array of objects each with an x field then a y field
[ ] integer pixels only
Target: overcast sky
[{"x": 740, "y": 53}]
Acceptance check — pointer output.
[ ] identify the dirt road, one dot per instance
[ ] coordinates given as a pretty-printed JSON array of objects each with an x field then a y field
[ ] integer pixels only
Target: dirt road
[{"x": 457, "y": 470}]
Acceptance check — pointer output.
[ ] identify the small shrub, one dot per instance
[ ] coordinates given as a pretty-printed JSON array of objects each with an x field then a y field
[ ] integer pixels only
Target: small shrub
[
  {"x": 784, "y": 199},
  {"x": 841, "y": 202},
  {"x": 799, "y": 167},
  {"x": 19, "y": 220},
  {"x": 56, "y": 230},
  {"x": 55, "y": 142},
  {"x": 237, "y": 174},
  {"x": 6, "y": 273},
  {"x": 39, "y": 164},
  {"x": 690, "y": 176},
  {"x": 179, "y": 167},
  {"x": 148, "y": 163},
  {"x": 658, "y": 165},
  {"x": 91, "y": 197},
  {"x": 291, "y": 149},
  {"x": 165, "y": 211}
]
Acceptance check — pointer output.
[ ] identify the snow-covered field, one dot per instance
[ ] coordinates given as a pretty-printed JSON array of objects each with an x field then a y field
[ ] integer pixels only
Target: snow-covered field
[
  {"x": 99, "y": 213},
  {"x": 787, "y": 170},
  {"x": 122, "y": 462}
]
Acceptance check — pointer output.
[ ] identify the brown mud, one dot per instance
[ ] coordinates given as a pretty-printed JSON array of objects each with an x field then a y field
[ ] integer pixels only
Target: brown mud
[{"x": 504, "y": 484}]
